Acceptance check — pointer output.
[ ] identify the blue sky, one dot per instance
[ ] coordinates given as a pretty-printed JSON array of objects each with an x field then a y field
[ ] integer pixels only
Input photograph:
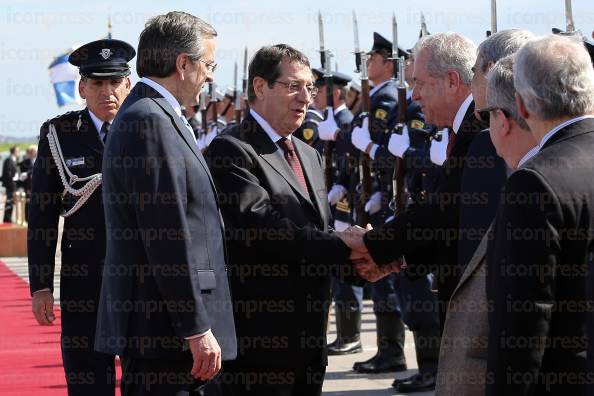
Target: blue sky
[{"x": 32, "y": 32}]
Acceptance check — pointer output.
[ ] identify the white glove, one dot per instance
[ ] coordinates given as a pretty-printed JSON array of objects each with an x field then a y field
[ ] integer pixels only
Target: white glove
[
  {"x": 438, "y": 151},
  {"x": 210, "y": 136},
  {"x": 336, "y": 193},
  {"x": 200, "y": 142},
  {"x": 374, "y": 204},
  {"x": 340, "y": 225},
  {"x": 23, "y": 176},
  {"x": 327, "y": 128},
  {"x": 360, "y": 136},
  {"x": 399, "y": 143}
]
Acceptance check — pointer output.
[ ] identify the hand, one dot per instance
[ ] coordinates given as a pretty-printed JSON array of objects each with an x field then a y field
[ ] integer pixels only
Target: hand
[
  {"x": 43, "y": 307},
  {"x": 210, "y": 136},
  {"x": 206, "y": 354},
  {"x": 353, "y": 238},
  {"x": 327, "y": 128},
  {"x": 336, "y": 193},
  {"x": 438, "y": 151},
  {"x": 360, "y": 136},
  {"x": 399, "y": 143},
  {"x": 374, "y": 204},
  {"x": 372, "y": 273}
]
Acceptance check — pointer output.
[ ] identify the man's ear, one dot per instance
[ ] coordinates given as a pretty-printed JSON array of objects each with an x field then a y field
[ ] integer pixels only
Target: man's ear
[
  {"x": 128, "y": 83},
  {"x": 259, "y": 83},
  {"x": 505, "y": 123},
  {"x": 453, "y": 80},
  {"x": 181, "y": 63},
  {"x": 522, "y": 111},
  {"x": 81, "y": 89}
]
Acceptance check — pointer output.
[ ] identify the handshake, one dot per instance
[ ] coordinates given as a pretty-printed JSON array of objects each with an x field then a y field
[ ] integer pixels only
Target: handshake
[{"x": 362, "y": 261}]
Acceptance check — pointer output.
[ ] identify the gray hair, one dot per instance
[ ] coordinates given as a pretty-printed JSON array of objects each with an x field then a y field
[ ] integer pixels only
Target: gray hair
[
  {"x": 449, "y": 52},
  {"x": 500, "y": 45},
  {"x": 500, "y": 89},
  {"x": 165, "y": 37},
  {"x": 554, "y": 77}
]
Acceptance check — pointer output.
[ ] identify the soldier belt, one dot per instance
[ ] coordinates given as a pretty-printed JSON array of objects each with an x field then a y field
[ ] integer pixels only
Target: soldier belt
[{"x": 83, "y": 193}]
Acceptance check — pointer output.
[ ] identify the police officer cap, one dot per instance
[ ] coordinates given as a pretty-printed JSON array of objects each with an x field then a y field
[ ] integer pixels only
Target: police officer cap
[
  {"x": 103, "y": 59},
  {"x": 338, "y": 78},
  {"x": 381, "y": 44}
]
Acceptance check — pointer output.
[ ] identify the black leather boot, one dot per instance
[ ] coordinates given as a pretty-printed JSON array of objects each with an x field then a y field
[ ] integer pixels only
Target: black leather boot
[
  {"x": 348, "y": 332},
  {"x": 390, "y": 347}
]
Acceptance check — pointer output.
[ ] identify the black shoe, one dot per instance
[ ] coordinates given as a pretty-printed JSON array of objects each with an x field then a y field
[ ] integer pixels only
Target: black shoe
[
  {"x": 416, "y": 383},
  {"x": 397, "y": 381},
  {"x": 344, "y": 348},
  {"x": 380, "y": 363}
]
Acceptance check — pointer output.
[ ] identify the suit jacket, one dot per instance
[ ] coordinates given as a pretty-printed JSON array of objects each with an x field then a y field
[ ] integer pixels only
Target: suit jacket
[
  {"x": 426, "y": 234},
  {"x": 9, "y": 169},
  {"x": 165, "y": 276},
  {"x": 538, "y": 263},
  {"x": 463, "y": 352},
  {"x": 83, "y": 236},
  {"x": 281, "y": 256},
  {"x": 26, "y": 166}
]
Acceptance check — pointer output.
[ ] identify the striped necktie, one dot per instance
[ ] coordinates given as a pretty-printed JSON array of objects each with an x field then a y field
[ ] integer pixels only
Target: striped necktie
[{"x": 291, "y": 157}]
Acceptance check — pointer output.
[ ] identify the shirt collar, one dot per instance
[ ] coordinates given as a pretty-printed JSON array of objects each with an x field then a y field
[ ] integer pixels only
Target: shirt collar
[
  {"x": 461, "y": 113},
  {"x": 556, "y": 129},
  {"x": 340, "y": 108},
  {"x": 531, "y": 153},
  {"x": 378, "y": 87},
  {"x": 272, "y": 134},
  {"x": 96, "y": 121},
  {"x": 164, "y": 93}
]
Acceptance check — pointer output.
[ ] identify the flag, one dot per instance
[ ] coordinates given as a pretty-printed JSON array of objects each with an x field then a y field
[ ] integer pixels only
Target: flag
[{"x": 64, "y": 78}]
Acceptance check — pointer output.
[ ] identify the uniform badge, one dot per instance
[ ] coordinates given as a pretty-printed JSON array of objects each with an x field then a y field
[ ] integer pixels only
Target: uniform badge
[
  {"x": 343, "y": 205},
  {"x": 308, "y": 133},
  {"x": 417, "y": 124},
  {"x": 75, "y": 161},
  {"x": 381, "y": 114},
  {"x": 105, "y": 53}
]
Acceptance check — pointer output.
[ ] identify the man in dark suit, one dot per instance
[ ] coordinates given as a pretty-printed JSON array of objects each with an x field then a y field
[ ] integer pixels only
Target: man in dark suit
[
  {"x": 26, "y": 175},
  {"x": 426, "y": 235},
  {"x": 541, "y": 253},
  {"x": 9, "y": 171},
  {"x": 72, "y": 144},
  {"x": 165, "y": 305},
  {"x": 282, "y": 258}
]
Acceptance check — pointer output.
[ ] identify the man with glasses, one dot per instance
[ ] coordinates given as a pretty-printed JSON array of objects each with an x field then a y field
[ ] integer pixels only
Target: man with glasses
[
  {"x": 282, "y": 259},
  {"x": 165, "y": 305}
]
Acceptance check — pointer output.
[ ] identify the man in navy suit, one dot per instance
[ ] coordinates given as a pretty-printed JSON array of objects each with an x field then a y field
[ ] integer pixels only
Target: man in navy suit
[{"x": 165, "y": 304}]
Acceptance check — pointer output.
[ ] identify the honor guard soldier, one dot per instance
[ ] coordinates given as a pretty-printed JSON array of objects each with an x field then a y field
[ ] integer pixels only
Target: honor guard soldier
[
  {"x": 334, "y": 132},
  {"x": 67, "y": 182}
]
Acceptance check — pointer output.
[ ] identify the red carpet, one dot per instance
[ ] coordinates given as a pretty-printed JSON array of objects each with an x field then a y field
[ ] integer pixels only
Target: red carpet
[{"x": 30, "y": 358}]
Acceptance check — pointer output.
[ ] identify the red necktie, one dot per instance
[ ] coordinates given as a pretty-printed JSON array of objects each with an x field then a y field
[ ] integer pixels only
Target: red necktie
[
  {"x": 451, "y": 139},
  {"x": 292, "y": 159}
]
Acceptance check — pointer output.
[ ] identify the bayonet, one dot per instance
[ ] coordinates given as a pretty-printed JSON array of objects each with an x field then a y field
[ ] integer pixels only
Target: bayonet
[
  {"x": 322, "y": 47},
  {"x": 357, "y": 47},
  {"x": 570, "y": 26},
  {"x": 424, "y": 31},
  {"x": 493, "y": 16}
]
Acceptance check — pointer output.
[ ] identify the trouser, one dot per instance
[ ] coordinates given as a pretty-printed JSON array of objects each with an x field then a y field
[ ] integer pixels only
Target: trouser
[
  {"x": 348, "y": 303},
  {"x": 8, "y": 205}
]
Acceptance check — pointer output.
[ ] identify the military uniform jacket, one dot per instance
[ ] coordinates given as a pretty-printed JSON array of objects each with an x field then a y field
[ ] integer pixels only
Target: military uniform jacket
[{"x": 83, "y": 238}]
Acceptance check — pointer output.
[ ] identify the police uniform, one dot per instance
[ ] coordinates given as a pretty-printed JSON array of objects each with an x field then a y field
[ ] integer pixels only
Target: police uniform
[{"x": 73, "y": 143}]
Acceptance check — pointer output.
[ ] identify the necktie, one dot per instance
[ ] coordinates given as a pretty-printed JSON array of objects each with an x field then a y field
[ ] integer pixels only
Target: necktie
[
  {"x": 291, "y": 157},
  {"x": 104, "y": 131},
  {"x": 451, "y": 139}
]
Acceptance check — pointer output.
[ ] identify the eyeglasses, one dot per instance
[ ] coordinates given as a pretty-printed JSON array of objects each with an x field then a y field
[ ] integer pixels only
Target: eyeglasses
[
  {"x": 296, "y": 86},
  {"x": 210, "y": 66},
  {"x": 488, "y": 110}
]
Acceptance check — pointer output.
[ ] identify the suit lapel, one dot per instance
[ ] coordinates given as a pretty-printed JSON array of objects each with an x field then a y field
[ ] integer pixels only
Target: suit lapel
[{"x": 268, "y": 150}]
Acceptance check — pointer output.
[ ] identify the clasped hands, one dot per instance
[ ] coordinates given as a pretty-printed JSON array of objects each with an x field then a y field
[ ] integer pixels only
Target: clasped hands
[{"x": 362, "y": 261}]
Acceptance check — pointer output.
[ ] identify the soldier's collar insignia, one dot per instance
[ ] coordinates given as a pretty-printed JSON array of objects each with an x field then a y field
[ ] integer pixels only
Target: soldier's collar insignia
[
  {"x": 381, "y": 114},
  {"x": 308, "y": 133}
]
